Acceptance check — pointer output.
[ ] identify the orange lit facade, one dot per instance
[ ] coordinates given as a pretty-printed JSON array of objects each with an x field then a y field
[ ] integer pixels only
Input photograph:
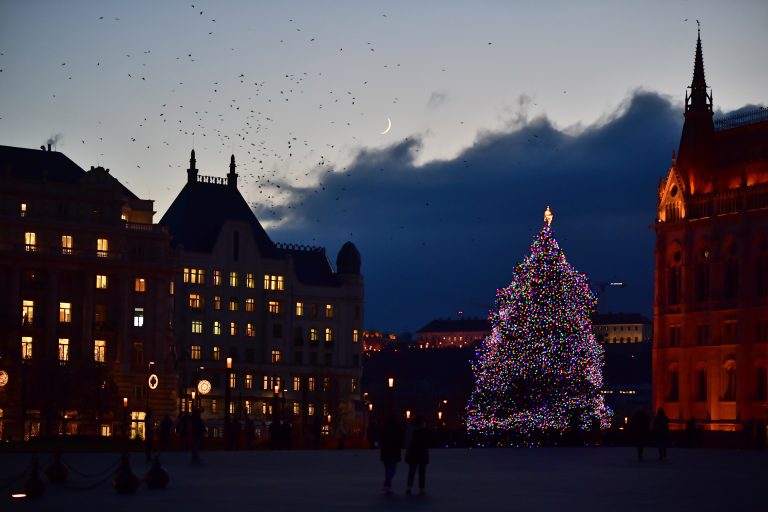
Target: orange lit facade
[
  {"x": 711, "y": 268},
  {"x": 84, "y": 301}
]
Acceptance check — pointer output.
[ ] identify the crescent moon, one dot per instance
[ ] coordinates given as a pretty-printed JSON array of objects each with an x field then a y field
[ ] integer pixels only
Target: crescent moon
[{"x": 389, "y": 126}]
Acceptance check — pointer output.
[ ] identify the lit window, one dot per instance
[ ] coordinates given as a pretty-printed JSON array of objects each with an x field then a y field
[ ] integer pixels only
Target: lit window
[
  {"x": 275, "y": 356},
  {"x": 354, "y": 385},
  {"x": 232, "y": 381},
  {"x": 248, "y": 407},
  {"x": 195, "y": 352},
  {"x": 217, "y": 353},
  {"x": 63, "y": 350},
  {"x": 65, "y": 312},
  {"x": 233, "y": 305},
  {"x": 328, "y": 334},
  {"x": 311, "y": 384},
  {"x": 250, "y": 330},
  {"x": 273, "y": 282},
  {"x": 214, "y": 406},
  {"x": 217, "y": 277},
  {"x": 102, "y": 247},
  {"x": 195, "y": 301},
  {"x": 170, "y": 288},
  {"x": 66, "y": 244},
  {"x": 266, "y": 382},
  {"x": 23, "y": 209},
  {"x": 26, "y": 347},
  {"x": 310, "y": 409},
  {"x": 250, "y": 281},
  {"x": 140, "y": 285},
  {"x": 276, "y": 382},
  {"x": 233, "y": 279},
  {"x": 299, "y": 309},
  {"x": 274, "y": 307},
  {"x": 296, "y": 408},
  {"x": 197, "y": 326},
  {"x": 297, "y": 383},
  {"x": 232, "y": 328},
  {"x": 138, "y": 317},
  {"x": 194, "y": 275},
  {"x": 355, "y": 336},
  {"x": 249, "y": 305},
  {"x": 329, "y": 311},
  {"x": 232, "y": 407},
  {"x": 101, "y": 281},
  {"x": 30, "y": 241},
  {"x": 313, "y": 334},
  {"x": 326, "y": 386},
  {"x": 99, "y": 351},
  {"x": 216, "y": 327},
  {"x": 248, "y": 381},
  {"x": 216, "y": 302},
  {"x": 27, "y": 312}
]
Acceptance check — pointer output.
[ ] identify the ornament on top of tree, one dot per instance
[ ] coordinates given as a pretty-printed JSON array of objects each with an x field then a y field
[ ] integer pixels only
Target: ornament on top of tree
[{"x": 538, "y": 374}]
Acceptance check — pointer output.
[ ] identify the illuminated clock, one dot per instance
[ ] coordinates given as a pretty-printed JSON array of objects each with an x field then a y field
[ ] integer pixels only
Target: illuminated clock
[
  {"x": 3, "y": 378},
  {"x": 204, "y": 387},
  {"x": 153, "y": 381}
]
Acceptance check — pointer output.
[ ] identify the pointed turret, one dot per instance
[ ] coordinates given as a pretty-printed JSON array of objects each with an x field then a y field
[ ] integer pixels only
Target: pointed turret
[
  {"x": 699, "y": 100},
  {"x": 232, "y": 176},
  {"x": 192, "y": 171}
]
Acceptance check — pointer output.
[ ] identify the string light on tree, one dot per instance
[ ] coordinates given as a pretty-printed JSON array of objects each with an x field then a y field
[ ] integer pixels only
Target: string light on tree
[{"x": 539, "y": 372}]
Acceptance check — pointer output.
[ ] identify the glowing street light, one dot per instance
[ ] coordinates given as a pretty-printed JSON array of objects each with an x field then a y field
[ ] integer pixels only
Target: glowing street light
[{"x": 391, "y": 382}]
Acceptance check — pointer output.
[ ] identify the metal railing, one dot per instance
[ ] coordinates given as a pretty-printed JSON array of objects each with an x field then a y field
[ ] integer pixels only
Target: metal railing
[{"x": 737, "y": 119}]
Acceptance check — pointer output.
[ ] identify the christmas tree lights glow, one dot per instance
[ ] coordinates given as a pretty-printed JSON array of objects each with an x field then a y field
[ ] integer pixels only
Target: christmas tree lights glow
[{"x": 539, "y": 373}]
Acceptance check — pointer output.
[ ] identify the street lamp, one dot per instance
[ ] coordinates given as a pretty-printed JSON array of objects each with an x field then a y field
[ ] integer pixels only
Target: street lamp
[
  {"x": 227, "y": 436},
  {"x": 125, "y": 417}
]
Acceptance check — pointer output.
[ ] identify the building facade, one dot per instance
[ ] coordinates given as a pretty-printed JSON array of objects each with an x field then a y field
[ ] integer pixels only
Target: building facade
[
  {"x": 711, "y": 267},
  {"x": 610, "y": 328},
  {"x": 84, "y": 301},
  {"x": 457, "y": 333},
  {"x": 264, "y": 331}
]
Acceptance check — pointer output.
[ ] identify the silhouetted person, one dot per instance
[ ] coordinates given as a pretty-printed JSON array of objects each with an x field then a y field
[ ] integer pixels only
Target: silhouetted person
[
  {"x": 197, "y": 429},
  {"x": 691, "y": 433},
  {"x": 641, "y": 424},
  {"x": 166, "y": 425},
  {"x": 149, "y": 434},
  {"x": 250, "y": 433},
  {"x": 661, "y": 432},
  {"x": 390, "y": 444},
  {"x": 417, "y": 453}
]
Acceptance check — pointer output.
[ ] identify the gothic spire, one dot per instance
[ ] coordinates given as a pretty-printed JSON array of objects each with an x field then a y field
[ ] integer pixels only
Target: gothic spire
[
  {"x": 192, "y": 171},
  {"x": 698, "y": 100},
  {"x": 232, "y": 176}
]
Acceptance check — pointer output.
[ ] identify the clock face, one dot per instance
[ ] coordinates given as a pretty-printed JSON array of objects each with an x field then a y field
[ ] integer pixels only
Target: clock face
[
  {"x": 3, "y": 378},
  {"x": 153, "y": 381},
  {"x": 204, "y": 387}
]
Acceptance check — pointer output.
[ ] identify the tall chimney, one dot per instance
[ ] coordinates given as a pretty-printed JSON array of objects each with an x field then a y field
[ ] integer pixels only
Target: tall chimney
[{"x": 49, "y": 146}]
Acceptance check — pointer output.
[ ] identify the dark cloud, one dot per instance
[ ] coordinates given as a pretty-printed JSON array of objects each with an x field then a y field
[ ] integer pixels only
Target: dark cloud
[{"x": 444, "y": 236}]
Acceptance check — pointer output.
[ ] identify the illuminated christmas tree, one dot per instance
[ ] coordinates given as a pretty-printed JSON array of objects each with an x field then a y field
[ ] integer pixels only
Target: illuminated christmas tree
[{"x": 539, "y": 373}]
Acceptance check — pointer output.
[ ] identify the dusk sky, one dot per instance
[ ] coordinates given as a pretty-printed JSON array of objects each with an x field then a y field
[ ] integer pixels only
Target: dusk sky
[{"x": 497, "y": 109}]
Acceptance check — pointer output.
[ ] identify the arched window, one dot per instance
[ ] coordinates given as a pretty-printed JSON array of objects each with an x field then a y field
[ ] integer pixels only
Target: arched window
[
  {"x": 701, "y": 385},
  {"x": 761, "y": 383},
  {"x": 674, "y": 385},
  {"x": 702, "y": 276},
  {"x": 674, "y": 280},
  {"x": 729, "y": 381}
]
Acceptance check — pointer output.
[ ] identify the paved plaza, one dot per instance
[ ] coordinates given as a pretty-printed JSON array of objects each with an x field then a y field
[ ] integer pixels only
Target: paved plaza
[{"x": 571, "y": 479}]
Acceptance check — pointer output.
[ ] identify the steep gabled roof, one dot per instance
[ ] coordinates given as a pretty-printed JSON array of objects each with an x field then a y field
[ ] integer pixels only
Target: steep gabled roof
[
  {"x": 312, "y": 266},
  {"x": 198, "y": 213},
  {"x": 36, "y": 164}
]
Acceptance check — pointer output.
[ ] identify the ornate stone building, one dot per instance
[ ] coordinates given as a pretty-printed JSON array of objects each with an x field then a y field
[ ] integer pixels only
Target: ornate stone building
[
  {"x": 711, "y": 260},
  {"x": 84, "y": 300},
  {"x": 291, "y": 325}
]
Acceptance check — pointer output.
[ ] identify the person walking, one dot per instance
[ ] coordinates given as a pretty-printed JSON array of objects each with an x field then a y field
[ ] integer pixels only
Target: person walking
[
  {"x": 417, "y": 453},
  {"x": 641, "y": 424},
  {"x": 661, "y": 431},
  {"x": 390, "y": 443}
]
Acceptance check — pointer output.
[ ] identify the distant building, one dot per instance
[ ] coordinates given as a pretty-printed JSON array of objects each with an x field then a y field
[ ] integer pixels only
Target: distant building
[
  {"x": 622, "y": 328},
  {"x": 444, "y": 333},
  {"x": 290, "y": 323},
  {"x": 375, "y": 341},
  {"x": 85, "y": 279},
  {"x": 711, "y": 267}
]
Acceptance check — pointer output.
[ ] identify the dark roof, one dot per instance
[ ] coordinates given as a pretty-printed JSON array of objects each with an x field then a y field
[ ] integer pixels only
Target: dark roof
[
  {"x": 312, "y": 266},
  {"x": 196, "y": 216},
  {"x": 619, "y": 318},
  {"x": 458, "y": 325},
  {"x": 36, "y": 164}
]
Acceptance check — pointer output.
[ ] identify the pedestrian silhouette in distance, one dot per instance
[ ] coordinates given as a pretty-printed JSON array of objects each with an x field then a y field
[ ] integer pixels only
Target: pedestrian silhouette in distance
[
  {"x": 661, "y": 432},
  {"x": 390, "y": 445},
  {"x": 417, "y": 452},
  {"x": 641, "y": 424}
]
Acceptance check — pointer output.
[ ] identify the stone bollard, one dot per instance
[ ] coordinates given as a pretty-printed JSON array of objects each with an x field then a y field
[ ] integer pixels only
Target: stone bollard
[
  {"x": 157, "y": 477},
  {"x": 34, "y": 487},
  {"x": 125, "y": 481},
  {"x": 57, "y": 472}
]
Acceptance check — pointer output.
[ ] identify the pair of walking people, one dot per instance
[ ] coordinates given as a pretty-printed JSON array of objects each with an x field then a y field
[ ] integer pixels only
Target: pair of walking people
[{"x": 417, "y": 441}]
